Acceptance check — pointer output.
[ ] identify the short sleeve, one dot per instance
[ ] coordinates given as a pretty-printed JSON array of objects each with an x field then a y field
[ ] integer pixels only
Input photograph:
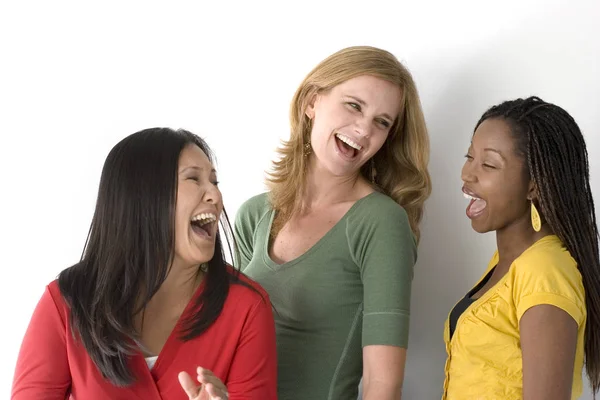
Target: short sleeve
[
  {"x": 245, "y": 223},
  {"x": 549, "y": 277},
  {"x": 385, "y": 250}
]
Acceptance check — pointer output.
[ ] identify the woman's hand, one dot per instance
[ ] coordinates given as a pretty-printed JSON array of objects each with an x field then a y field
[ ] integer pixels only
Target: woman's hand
[{"x": 210, "y": 387}]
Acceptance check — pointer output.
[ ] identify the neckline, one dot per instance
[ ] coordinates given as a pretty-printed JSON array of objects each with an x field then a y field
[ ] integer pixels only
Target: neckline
[
  {"x": 491, "y": 265},
  {"x": 274, "y": 265},
  {"x": 165, "y": 351}
]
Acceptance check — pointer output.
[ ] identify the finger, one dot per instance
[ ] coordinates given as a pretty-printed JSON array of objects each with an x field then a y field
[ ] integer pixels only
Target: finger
[
  {"x": 204, "y": 371},
  {"x": 188, "y": 385},
  {"x": 205, "y": 376},
  {"x": 212, "y": 380},
  {"x": 215, "y": 393}
]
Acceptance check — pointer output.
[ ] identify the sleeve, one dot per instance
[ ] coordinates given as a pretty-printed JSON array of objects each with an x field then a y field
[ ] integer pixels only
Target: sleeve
[
  {"x": 253, "y": 373},
  {"x": 42, "y": 370},
  {"x": 243, "y": 231},
  {"x": 385, "y": 250},
  {"x": 543, "y": 279}
]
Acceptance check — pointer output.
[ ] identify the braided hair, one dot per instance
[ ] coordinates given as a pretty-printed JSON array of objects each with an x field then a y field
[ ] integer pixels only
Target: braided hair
[{"x": 550, "y": 141}]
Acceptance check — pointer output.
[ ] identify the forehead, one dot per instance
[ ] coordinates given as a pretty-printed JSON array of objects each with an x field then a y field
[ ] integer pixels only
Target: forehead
[
  {"x": 192, "y": 155},
  {"x": 374, "y": 91},
  {"x": 494, "y": 134}
]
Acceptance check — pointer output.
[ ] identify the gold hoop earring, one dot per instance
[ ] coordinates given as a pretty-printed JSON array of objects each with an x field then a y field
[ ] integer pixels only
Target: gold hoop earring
[{"x": 536, "y": 221}]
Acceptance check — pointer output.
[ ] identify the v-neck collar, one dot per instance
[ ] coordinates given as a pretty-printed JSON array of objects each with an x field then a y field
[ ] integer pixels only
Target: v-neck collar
[
  {"x": 152, "y": 376},
  {"x": 268, "y": 260}
]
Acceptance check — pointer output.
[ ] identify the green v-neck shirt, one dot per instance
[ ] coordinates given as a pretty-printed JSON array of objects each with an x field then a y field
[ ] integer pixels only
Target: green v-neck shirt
[{"x": 350, "y": 290}]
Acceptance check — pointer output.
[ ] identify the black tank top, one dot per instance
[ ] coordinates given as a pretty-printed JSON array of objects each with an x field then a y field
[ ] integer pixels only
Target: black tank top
[{"x": 466, "y": 301}]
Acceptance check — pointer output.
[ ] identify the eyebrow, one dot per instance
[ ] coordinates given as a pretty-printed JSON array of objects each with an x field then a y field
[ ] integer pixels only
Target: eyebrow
[
  {"x": 194, "y": 167},
  {"x": 495, "y": 151},
  {"x": 362, "y": 103}
]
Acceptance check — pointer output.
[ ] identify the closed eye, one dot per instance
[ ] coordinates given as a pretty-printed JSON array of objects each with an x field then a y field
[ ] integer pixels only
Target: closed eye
[
  {"x": 468, "y": 156},
  {"x": 384, "y": 123},
  {"x": 489, "y": 166},
  {"x": 356, "y": 106}
]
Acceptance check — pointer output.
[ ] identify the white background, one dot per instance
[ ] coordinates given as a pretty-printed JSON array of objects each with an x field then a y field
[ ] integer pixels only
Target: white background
[{"x": 77, "y": 77}]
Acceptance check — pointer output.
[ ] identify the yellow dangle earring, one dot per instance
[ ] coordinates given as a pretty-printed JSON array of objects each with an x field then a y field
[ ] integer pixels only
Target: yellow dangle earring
[{"x": 536, "y": 221}]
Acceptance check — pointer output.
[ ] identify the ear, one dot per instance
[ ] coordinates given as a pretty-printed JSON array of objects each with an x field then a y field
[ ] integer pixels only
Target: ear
[
  {"x": 310, "y": 108},
  {"x": 532, "y": 192}
]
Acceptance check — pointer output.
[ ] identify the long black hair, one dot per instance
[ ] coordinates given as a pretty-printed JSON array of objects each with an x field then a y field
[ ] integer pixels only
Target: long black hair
[
  {"x": 130, "y": 248},
  {"x": 552, "y": 144}
]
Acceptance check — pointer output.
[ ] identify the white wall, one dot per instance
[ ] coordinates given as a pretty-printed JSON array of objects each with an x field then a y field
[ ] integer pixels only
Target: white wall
[{"x": 75, "y": 79}]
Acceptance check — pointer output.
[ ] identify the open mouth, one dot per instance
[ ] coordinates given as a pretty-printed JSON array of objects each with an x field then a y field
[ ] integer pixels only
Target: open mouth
[
  {"x": 476, "y": 204},
  {"x": 346, "y": 146},
  {"x": 203, "y": 224}
]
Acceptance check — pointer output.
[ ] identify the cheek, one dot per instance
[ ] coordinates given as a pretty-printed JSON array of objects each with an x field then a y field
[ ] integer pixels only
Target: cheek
[
  {"x": 378, "y": 140},
  {"x": 509, "y": 200},
  {"x": 330, "y": 117},
  {"x": 182, "y": 209},
  {"x": 220, "y": 205}
]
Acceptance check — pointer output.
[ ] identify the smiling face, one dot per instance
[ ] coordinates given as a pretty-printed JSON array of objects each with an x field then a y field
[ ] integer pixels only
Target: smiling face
[
  {"x": 496, "y": 180},
  {"x": 352, "y": 121},
  {"x": 198, "y": 208}
]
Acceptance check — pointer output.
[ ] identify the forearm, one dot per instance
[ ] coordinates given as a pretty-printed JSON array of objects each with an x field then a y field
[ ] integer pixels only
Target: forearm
[{"x": 381, "y": 390}]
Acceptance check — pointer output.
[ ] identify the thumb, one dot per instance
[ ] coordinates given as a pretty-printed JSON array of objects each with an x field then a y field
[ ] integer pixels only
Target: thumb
[{"x": 188, "y": 384}]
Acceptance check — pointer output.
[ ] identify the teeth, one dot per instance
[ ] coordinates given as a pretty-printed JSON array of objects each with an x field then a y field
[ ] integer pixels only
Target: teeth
[
  {"x": 204, "y": 218},
  {"x": 348, "y": 141},
  {"x": 468, "y": 196}
]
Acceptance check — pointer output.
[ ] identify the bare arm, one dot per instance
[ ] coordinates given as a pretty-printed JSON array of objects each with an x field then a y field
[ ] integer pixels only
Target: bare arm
[
  {"x": 383, "y": 372},
  {"x": 548, "y": 343}
]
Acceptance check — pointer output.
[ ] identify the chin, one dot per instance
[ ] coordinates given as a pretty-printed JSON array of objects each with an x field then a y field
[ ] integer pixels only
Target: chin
[
  {"x": 204, "y": 258},
  {"x": 480, "y": 228},
  {"x": 340, "y": 170}
]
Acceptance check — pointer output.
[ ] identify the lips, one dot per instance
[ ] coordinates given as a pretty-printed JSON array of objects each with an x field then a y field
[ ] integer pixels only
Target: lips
[
  {"x": 203, "y": 230},
  {"x": 203, "y": 224},
  {"x": 347, "y": 146},
  {"x": 476, "y": 206}
]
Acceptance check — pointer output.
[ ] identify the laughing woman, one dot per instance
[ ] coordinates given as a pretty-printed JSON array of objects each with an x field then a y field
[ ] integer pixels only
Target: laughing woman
[
  {"x": 334, "y": 242},
  {"x": 152, "y": 300},
  {"x": 525, "y": 329}
]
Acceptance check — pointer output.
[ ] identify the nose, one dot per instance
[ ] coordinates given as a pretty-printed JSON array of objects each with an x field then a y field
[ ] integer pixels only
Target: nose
[
  {"x": 468, "y": 173},
  {"x": 212, "y": 195},
  {"x": 362, "y": 127}
]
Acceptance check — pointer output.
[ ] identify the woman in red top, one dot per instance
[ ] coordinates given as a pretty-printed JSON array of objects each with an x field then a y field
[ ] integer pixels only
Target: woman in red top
[{"x": 152, "y": 303}]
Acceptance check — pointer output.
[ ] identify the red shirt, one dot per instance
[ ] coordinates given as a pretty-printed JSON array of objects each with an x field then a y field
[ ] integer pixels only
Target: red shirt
[{"x": 239, "y": 348}]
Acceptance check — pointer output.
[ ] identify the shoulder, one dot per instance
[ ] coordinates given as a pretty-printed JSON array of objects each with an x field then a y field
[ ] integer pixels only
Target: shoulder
[
  {"x": 53, "y": 290},
  {"x": 547, "y": 271},
  {"x": 378, "y": 229},
  {"x": 379, "y": 207},
  {"x": 547, "y": 257},
  {"x": 53, "y": 302},
  {"x": 252, "y": 211},
  {"x": 255, "y": 206},
  {"x": 381, "y": 215},
  {"x": 246, "y": 289}
]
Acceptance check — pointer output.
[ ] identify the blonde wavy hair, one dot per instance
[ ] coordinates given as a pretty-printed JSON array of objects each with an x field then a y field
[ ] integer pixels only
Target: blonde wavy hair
[{"x": 401, "y": 164}]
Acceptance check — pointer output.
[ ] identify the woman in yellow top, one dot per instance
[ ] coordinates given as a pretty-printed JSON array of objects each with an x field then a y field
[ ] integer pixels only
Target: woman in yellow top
[{"x": 524, "y": 330}]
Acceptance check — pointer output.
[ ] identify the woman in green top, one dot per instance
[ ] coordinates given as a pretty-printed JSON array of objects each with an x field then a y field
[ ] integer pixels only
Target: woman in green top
[{"x": 334, "y": 241}]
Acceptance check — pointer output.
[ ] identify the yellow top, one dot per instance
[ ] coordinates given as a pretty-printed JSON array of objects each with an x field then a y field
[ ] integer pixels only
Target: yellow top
[{"x": 484, "y": 356}]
